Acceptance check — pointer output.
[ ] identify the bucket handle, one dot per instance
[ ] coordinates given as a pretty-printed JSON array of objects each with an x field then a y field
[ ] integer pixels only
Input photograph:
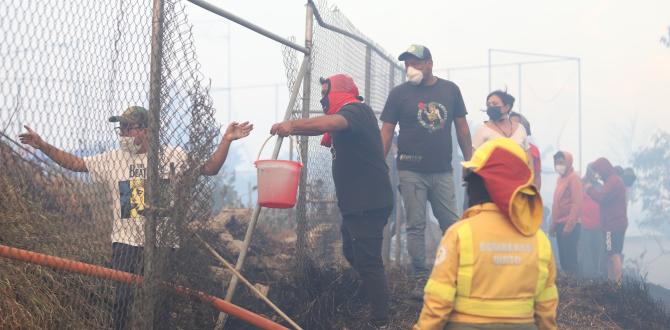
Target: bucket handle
[{"x": 268, "y": 139}]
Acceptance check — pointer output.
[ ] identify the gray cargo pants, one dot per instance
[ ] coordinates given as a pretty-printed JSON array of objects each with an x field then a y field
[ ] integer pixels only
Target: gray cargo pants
[{"x": 416, "y": 189}]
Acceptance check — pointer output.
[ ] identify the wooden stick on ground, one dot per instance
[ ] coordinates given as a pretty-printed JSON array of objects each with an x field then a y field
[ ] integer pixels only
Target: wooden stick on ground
[{"x": 246, "y": 282}]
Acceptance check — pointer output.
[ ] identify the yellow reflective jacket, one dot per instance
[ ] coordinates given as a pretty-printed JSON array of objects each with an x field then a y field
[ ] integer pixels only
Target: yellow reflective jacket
[{"x": 487, "y": 272}]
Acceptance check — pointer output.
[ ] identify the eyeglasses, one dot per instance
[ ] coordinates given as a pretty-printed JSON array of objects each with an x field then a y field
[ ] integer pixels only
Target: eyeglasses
[{"x": 125, "y": 128}]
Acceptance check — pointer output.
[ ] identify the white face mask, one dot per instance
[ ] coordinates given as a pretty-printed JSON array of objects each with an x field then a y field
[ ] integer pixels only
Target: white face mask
[
  {"x": 560, "y": 169},
  {"x": 128, "y": 144},
  {"x": 414, "y": 76},
  {"x": 598, "y": 178}
]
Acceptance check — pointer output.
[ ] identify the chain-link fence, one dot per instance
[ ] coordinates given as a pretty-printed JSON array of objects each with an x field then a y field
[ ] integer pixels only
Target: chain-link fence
[
  {"x": 67, "y": 67},
  {"x": 338, "y": 47},
  {"x": 132, "y": 197}
]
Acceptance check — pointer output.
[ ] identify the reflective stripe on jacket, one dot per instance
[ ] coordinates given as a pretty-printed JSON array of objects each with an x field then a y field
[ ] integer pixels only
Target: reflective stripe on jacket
[{"x": 487, "y": 272}]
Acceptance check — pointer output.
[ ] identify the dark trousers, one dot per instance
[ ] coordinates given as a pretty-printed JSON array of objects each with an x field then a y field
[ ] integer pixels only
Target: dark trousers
[
  {"x": 362, "y": 236},
  {"x": 126, "y": 258},
  {"x": 590, "y": 259},
  {"x": 567, "y": 247}
]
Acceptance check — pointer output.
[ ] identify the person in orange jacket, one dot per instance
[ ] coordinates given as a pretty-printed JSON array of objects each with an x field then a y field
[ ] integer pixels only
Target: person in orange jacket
[
  {"x": 494, "y": 268},
  {"x": 566, "y": 211}
]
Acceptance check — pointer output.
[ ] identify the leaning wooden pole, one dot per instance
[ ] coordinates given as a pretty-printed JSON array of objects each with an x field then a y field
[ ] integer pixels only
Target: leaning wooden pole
[{"x": 246, "y": 282}]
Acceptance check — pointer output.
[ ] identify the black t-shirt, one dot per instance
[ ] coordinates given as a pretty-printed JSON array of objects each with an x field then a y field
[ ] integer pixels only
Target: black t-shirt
[
  {"x": 425, "y": 114},
  {"x": 359, "y": 169}
]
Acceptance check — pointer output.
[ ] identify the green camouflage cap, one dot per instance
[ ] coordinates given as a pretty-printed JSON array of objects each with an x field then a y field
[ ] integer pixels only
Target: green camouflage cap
[
  {"x": 133, "y": 115},
  {"x": 419, "y": 51}
]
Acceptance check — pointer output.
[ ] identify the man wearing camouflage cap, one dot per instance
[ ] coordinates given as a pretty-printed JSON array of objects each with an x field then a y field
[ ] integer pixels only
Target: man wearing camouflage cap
[
  {"x": 123, "y": 172},
  {"x": 425, "y": 107}
]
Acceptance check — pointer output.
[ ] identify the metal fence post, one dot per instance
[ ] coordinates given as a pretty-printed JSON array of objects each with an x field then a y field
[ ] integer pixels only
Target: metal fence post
[
  {"x": 368, "y": 73},
  {"x": 386, "y": 243},
  {"x": 398, "y": 200},
  {"x": 301, "y": 214},
  {"x": 221, "y": 321},
  {"x": 579, "y": 111},
  {"x": 153, "y": 163}
]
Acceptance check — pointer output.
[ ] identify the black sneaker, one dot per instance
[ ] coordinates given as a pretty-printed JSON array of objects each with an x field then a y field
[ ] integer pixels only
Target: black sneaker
[{"x": 419, "y": 284}]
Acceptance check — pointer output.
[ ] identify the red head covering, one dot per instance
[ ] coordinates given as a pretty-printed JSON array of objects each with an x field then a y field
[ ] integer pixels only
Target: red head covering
[
  {"x": 603, "y": 167},
  {"x": 342, "y": 91},
  {"x": 503, "y": 166}
]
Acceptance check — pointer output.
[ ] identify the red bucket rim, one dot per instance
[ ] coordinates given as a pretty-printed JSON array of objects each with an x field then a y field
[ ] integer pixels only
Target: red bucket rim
[{"x": 292, "y": 162}]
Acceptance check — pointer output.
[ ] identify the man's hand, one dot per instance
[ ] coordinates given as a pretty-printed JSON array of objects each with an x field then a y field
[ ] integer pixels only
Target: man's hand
[
  {"x": 569, "y": 226},
  {"x": 31, "y": 138},
  {"x": 237, "y": 131},
  {"x": 62, "y": 158},
  {"x": 282, "y": 129}
]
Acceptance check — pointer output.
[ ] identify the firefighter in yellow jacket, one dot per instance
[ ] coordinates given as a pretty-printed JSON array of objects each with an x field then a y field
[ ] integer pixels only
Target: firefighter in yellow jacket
[{"x": 494, "y": 269}]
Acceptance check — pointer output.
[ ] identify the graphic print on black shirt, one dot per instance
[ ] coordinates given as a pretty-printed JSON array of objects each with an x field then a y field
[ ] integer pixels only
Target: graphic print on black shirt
[
  {"x": 433, "y": 116},
  {"x": 425, "y": 115}
]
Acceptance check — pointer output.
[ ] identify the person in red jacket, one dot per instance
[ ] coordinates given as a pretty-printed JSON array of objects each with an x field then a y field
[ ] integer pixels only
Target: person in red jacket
[
  {"x": 591, "y": 237},
  {"x": 566, "y": 211},
  {"x": 613, "y": 213}
]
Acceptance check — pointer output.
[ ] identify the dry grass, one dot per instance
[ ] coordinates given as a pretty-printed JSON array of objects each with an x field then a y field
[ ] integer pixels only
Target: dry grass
[
  {"x": 603, "y": 305},
  {"x": 46, "y": 212}
]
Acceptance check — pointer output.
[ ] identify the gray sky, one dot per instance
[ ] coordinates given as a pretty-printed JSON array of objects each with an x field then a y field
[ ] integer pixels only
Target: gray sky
[{"x": 625, "y": 68}]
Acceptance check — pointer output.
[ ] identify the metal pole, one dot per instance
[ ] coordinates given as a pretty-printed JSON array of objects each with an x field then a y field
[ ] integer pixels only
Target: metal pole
[
  {"x": 533, "y": 54},
  {"x": 257, "y": 210},
  {"x": 519, "y": 68},
  {"x": 153, "y": 162},
  {"x": 301, "y": 209},
  {"x": 489, "y": 68},
  {"x": 246, "y": 282},
  {"x": 579, "y": 110},
  {"x": 319, "y": 20},
  {"x": 290, "y": 150},
  {"x": 398, "y": 220},
  {"x": 386, "y": 243},
  {"x": 230, "y": 83},
  {"x": 394, "y": 172},
  {"x": 368, "y": 73},
  {"x": 277, "y": 102},
  {"x": 500, "y": 65},
  {"x": 391, "y": 76},
  {"x": 230, "y": 16}
]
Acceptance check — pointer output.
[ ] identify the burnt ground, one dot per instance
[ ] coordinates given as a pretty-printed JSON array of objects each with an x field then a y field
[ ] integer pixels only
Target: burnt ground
[{"x": 317, "y": 296}]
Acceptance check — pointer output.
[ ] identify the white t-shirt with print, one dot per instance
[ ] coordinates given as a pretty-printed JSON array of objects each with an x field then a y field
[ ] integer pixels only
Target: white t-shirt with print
[
  {"x": 485, "y": 133},
  {"x": 124, "y": 174}
]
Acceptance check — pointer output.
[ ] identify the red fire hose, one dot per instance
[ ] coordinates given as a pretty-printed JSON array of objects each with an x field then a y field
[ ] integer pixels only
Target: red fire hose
[{"x": 111, "y": 274}]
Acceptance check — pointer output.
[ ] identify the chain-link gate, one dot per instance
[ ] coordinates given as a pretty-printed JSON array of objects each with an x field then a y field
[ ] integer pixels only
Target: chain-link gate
[
  {"x": 66, "y": 69},
  {"x": 338, "y": 47}
]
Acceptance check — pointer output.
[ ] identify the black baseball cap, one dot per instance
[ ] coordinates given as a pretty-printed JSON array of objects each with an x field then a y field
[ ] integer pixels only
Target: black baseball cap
[{"x": 419, "y": 51}]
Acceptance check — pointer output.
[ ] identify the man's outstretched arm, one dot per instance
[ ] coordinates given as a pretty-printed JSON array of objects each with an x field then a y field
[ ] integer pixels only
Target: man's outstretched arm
[
  {"x": 311, "y": 126},
  {"x": 62, "y": 158},
  {"x": 233, "y": 132}
]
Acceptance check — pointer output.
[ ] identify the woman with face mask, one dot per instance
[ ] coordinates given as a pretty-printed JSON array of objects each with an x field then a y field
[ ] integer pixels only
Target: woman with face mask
[
  {"x": 566, "y": 211},
  {"x": 498, "y": 107}
]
